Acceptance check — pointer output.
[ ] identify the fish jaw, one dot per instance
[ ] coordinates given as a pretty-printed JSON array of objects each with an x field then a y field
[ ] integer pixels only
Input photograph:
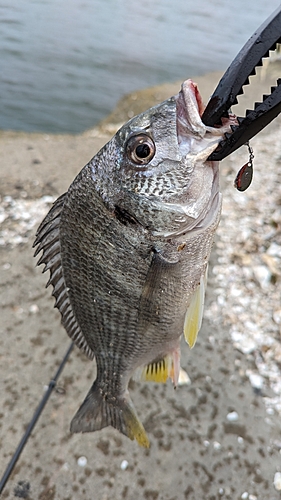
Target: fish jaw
[
  {"x": 193, "y": 135},
  {"x": 198, "y": 204},
  {"x": 189, "y": 110}
]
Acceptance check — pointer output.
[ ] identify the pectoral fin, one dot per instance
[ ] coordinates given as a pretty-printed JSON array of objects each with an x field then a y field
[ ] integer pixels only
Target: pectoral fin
[
  {"x": 162, "y": 280},
  {"x": 194, "y": 313}
]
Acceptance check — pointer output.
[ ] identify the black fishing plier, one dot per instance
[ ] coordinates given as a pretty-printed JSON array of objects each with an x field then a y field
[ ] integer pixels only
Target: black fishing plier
[{"x": 231, "y": 85}]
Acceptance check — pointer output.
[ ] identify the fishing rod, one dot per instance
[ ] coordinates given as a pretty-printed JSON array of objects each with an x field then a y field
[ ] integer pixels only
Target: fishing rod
[{"x": 21, "y": 445}]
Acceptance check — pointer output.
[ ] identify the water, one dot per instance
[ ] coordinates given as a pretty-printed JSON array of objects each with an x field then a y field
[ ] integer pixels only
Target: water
[{"x": 65, "y": 63}]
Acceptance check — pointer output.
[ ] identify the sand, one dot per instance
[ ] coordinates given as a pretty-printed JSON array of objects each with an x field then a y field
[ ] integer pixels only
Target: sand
[{"x": 219, "y": 436}]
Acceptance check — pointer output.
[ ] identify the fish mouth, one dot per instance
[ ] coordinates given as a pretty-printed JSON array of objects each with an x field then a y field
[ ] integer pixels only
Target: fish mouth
[
  {"x": 193, "y": 135},
  {"x": 190, "y": 108},
  {"x": 199, "y": 205}
]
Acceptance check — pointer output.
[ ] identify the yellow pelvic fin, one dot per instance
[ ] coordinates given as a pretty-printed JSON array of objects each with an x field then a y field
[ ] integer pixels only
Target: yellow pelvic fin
[{"x": 194, "y": 313}]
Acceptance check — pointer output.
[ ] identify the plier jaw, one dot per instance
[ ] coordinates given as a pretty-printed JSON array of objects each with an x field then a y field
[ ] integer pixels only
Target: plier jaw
[{"x": 231, "y": 85}]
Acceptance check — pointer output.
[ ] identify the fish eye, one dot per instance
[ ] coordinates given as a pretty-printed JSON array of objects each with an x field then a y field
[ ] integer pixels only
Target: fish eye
[{"x": 140, "y": 149}]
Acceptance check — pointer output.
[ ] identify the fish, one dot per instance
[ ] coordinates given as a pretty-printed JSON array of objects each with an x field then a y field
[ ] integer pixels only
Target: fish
[{"x": 127, "y": 248}]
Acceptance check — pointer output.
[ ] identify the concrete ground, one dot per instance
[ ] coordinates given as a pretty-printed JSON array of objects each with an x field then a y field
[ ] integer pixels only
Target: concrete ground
[{"x": 213, "y": 439}]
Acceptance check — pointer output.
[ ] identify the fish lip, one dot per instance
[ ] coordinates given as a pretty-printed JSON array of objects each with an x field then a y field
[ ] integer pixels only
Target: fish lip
[
  {"x": 189, "y": 108},
  {"x": 192, "y": 134},
  {"x": 189, "y": 86}
]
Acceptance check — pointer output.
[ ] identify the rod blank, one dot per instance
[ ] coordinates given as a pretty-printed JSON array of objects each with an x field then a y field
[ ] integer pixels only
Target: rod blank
[{"x": 32, "y": 423}]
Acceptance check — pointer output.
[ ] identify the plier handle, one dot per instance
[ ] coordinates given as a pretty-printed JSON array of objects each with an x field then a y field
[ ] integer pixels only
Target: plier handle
[{"x": 231, "y": 85}]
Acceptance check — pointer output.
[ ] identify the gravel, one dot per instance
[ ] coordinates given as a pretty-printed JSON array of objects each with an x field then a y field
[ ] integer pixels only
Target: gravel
[{"x": 248, "y": 270}]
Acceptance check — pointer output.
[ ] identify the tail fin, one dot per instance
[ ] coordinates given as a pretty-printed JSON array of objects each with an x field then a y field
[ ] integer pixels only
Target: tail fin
[{"x": 96, "y": 412}]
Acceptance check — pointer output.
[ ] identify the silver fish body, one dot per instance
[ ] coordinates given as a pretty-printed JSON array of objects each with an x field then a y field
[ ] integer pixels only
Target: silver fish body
[{"x": 127, "y": 248}]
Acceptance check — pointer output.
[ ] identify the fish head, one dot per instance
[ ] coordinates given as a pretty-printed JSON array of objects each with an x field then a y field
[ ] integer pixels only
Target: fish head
[{"x": 156, "y": 169}]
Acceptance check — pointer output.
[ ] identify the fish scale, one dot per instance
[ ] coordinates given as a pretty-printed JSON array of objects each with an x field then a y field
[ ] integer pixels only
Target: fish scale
[
  {"x": 96, "y": 279},
  {"x": 128, "y": 264}
]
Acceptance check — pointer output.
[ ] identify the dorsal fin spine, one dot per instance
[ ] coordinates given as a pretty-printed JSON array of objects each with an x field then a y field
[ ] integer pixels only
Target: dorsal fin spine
[
  {"x": 53, "y": 278},
  {"x": 54, "y": 261},
  {"x": 48, "y": 241}
]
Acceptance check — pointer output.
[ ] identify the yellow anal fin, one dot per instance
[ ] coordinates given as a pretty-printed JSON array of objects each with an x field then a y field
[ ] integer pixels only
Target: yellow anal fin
[
  {"x": 158, "y": 371},
  {"x": 194, "y": 313}
]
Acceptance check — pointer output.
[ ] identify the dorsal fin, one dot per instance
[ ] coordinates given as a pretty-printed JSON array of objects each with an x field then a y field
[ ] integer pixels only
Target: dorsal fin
[{"x": 48, "y": 240}]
